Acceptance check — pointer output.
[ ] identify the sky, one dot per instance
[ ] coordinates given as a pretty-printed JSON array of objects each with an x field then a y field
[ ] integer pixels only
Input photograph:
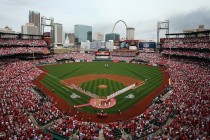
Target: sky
[{"x": 102, "y": 15}]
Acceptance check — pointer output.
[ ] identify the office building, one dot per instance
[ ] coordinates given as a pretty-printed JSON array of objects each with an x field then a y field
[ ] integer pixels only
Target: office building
[
  {"x": 98, "y": 36},
  {"x": 66, "y": 43},
  {"x": 85, "y": 45},
  {"x": 112, "y": 36},
  {"x": 7, "y": 30},
  {"x": 34, "y": 17},
  {"x": 57, "y": 34},
  {"x": 109, "y": 45},
  {"x": 29, "y": 28},
  {"x": 71, "y": 38},
  {"x": 89, "y": 36},
  {"x": 81, "y": 32},
  {"x": 200, "y": 28},
  {"x": 130, "y": 33},
  {"x": 92, "y": 46}
]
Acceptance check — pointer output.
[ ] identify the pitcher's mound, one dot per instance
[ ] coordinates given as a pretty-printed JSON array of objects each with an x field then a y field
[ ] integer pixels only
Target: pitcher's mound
[{"x": 102, "y": 86}]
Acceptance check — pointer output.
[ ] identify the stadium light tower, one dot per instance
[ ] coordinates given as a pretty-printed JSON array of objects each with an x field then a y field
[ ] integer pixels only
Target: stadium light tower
[
  {"x": 162, "y": 25},
  {"x": 43, "y": 23},
  {"x": 33, "y": 43}
]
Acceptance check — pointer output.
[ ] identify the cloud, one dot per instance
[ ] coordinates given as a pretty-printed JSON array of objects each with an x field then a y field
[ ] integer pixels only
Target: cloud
[
  {"x": 16, "y": 2},
  {"x": 102, "y": 15},
  {"x": 190, "y": 20}
]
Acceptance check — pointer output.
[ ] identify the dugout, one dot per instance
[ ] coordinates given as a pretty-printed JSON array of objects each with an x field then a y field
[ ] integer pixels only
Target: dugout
[{"x": 65, "y": 60}]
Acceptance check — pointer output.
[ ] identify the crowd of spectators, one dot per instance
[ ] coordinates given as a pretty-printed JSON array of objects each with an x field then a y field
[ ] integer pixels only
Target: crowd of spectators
[
  {"x": 151, "y": 57},
  {"x": 75, "y": 56},
  {"x": 191, "y": 42},
  {"x": 121, "y": 58},
  {"x": 78, "y": 56},
  {"x": 187, "y": 53},
  {"x": 22, "y": 50},
  {"x": 190, "y": 98},
  {"x": 47, "y": 60},
  {"x": 22, "y": 42},
  {"x": 27, "y": 46},
  {"x": 124, "y": 53},
  {"x": 47, "y": 113},
  {"x": 17, "y": 100},
  {"x": 71, "y": 125}
]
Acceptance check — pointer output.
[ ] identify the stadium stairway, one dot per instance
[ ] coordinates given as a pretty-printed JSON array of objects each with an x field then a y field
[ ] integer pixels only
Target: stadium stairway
[
  {"x": 117, "y": 133},
  {"x": 101, "y": 135}
]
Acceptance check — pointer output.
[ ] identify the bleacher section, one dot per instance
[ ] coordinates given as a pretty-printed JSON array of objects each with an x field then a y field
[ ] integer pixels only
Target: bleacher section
[
  {"x": 187, "y": 46},
  {"x": 124, "y": 53},
  {"x": 20, "y": 46}
]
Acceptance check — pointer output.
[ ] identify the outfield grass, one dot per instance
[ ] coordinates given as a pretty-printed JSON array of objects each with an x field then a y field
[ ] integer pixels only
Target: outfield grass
[{"x": 64, "y": 71}]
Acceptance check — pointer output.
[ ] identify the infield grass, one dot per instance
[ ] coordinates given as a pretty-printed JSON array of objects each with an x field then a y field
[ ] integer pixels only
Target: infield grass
[{"x": 93, "y": 86}]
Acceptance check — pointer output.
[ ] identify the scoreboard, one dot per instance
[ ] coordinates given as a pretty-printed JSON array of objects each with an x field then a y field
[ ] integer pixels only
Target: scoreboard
[
  {"x": 102, "y": 55},
  {"x": 147, "y": 46}
]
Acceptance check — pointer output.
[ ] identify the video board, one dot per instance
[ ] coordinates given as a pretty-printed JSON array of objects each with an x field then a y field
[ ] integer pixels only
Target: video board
[
  {"x": 126, "y": 45},
  {"x": 147, "y": 45}
]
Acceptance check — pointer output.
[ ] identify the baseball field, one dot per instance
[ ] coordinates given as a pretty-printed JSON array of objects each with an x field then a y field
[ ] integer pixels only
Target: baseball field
[{"x": 101, "y": 79}]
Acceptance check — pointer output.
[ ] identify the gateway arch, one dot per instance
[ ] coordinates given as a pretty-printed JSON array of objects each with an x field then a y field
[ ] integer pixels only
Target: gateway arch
[{"x": 125, "y": 26}]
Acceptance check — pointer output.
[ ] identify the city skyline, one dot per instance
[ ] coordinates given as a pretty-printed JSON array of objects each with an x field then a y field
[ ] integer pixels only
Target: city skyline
[{"x": 139, "y": 14}]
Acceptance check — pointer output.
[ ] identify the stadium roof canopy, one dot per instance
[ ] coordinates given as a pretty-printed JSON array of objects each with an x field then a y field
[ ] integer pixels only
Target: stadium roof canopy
[
  {"x": 191, "y": 34},
  {"x": 19, "y": 35}
]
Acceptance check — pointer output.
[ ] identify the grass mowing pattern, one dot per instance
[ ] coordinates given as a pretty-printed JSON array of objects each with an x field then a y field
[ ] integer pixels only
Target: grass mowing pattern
[
  {"x": 64, "y": 71},
  {"x": 92, "y": 86}
]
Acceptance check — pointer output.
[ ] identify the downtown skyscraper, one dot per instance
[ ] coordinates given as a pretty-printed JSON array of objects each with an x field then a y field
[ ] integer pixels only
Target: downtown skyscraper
[
  {"x": 57, "y": 34},
  {"x": 34, "y": 17},
  {"x": 83, "y": 32}
]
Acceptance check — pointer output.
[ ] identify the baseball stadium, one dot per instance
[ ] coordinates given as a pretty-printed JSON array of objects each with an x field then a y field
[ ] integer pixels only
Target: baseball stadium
[{"x": 121, "y": 90}]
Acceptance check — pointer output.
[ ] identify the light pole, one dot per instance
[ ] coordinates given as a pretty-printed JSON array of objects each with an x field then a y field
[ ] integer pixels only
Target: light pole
[
  {"x": 33, "y": 52},
  {"x": 170, "y": 56}
]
